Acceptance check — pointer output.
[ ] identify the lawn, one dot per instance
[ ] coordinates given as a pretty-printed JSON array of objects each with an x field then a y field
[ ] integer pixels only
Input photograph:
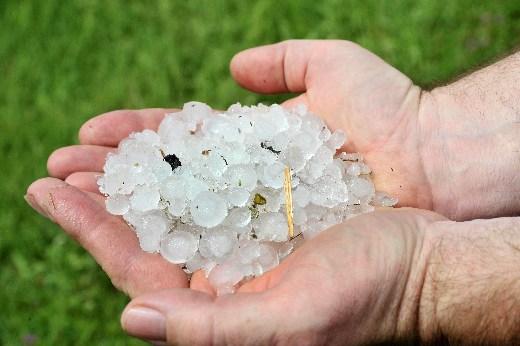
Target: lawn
[{"x": 62, "y": 62}]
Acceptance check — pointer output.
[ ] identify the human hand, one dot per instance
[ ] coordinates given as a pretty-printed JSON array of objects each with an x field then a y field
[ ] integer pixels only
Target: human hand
[
  {"x": 453, "y": 150},
  {"x": 355, "y": 91},
  {"x": 356, "y": 283},
  {"x": 78, "y": 207},
  {"x": 403, "y": 276}
]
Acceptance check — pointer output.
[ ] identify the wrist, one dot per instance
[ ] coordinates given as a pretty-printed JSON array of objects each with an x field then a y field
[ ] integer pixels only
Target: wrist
[
  {"x": 403, "y": 315},
  {"x": 470, "y": 157},
  {"x": 415, "y": 319},
  {"x": 472, "y": 283}
]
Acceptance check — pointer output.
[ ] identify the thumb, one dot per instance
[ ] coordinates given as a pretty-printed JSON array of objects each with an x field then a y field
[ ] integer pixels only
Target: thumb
[
  {"x": 276, "y": 68},
  {"x": 184, "y": 316}
]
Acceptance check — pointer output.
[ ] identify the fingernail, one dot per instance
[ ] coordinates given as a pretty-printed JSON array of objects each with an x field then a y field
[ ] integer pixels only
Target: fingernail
[
  {"x": 36, "y": 206},
  {"x": 144, "y": 323}
]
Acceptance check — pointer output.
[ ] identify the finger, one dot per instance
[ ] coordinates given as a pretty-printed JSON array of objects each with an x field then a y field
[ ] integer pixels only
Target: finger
[
  {"x": 96, "y": 197},
  {"x": 110, "y": 128},
  {"x": 108, "y": 238},
  {"x": 276, "y": 68},
  {"x": 85, "y": 181},
  {"x": 78, "y": 158},
  {"x": 200, "y": 283},
  {"x": 298, "y": 100},
  {"x": 187, "y": 317}
]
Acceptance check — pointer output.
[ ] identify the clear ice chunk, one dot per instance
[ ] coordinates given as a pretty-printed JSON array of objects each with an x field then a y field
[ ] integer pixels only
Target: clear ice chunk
[
  {"x": 117, "y": 204},
  {"x": 208, "y": 209},
  {"x": 217, "y": 244},
  {"x": 179, "y": 246}
]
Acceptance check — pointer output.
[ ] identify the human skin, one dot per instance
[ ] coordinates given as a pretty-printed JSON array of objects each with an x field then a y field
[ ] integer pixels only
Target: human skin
[
  {"x": 430, "y": 149},
  {"x": 403, "y": 276},
  {"x": 454, "y": 150}
]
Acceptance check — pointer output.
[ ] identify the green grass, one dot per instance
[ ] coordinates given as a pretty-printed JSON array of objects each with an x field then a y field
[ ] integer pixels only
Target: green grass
[{"x": 61, "y": 62}]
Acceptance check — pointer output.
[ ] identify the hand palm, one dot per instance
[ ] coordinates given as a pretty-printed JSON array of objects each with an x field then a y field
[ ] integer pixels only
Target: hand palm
[
  {"x": 370, "y": 267},
  {"x": 357, "y": 92}
]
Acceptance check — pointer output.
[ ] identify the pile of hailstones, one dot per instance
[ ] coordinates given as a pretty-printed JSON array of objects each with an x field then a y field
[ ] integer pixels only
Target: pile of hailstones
[{"x": 206, "y": 189}]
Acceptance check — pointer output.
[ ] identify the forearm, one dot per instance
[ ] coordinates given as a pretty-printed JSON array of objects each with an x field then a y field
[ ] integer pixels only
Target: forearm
[
  {"x": 471, "y": 141},
  {"x": 471, "y": 292}
]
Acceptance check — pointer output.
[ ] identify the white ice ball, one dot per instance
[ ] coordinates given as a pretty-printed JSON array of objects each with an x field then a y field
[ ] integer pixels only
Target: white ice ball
[
  {"x": 217, "y": 244},
  {"x": 179, "y": 246},
  {"x": 117, "y": 204},
  {"x": 225, "y": 275},
  {"x": 208, "y": 209},
  {"x": 272, "y": 226}
]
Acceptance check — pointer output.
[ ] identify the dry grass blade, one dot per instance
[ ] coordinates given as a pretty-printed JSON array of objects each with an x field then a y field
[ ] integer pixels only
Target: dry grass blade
[{"x": 287, "y": 191}]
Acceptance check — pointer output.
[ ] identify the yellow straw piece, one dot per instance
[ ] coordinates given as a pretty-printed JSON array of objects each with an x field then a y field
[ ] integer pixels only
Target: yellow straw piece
[{"x": 287, "y": 191}]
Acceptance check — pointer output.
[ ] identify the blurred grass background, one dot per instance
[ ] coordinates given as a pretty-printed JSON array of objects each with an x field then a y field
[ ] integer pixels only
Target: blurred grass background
[{"x": 62, "y": 62}]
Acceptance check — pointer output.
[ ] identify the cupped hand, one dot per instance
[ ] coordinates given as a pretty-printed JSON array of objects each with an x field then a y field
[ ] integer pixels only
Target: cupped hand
[
  {"x": 351, "y": 88},
  {"x": 356, "y": 283},
  {"x": 355, "y": 91},
  {"x": 72, "y": 199}
]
